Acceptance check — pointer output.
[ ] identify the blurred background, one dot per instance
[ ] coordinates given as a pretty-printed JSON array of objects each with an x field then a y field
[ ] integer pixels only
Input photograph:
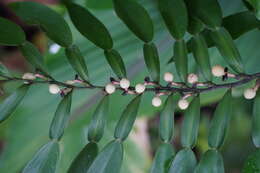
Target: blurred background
[{"x": 27, "y": 129}]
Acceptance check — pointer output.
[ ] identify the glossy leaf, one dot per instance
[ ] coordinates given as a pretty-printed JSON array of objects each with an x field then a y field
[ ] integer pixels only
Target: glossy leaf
[
  {"x": 256, "y": 121},
  {"x": 127, "y": 119},
  {"x": 256, "y": 5},
  {"x": 252, "y": 163},
  {"x": 77, "y": 61},
  {"x": 162, "y": 158},
  {"x": 98, "y": 120},
  {"x": 220, "y": 121},
  {"x": 181, "y": 59},
  {"x": 109, "y": 160},
  {"x": 89, "y": 26},
  {"x": 136, "y": 18},
  {"x": 184, "y": 162},
  {"x": 228, "y": 49},
  {"x": 51, "y": 22},
  {"x": 8, "y": 106},
  {"x": 10, "y": 33},
  {"x": 212, "y": 162},
  {"x": 4, "y": 71},
  {"x": 84, "y": 159},
  {"x": 45, "y": 160},
  {"x": 200, "y": 53},
  {"x": 195, "y": 26},
  {"x": 152, "y": 60},
  {"x": 61, "y": 117},
  {"x": 174, "y": 13},
  {"x": 166, "y": 126},
  {"x": 116, "y": 62}
]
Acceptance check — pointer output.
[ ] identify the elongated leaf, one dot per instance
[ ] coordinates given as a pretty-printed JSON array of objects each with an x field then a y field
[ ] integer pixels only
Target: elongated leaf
[
  {"x": 77, "y": 61},
  {"x": 195, "y": 26},
  {"x": 97, "y": 123},
  {"x": 175, "y": 16},
  {"x": 10, "y": 33},
  {"x": 184, "y": 162},
  {"x": 212, "y": 162},
  {"x": 109, "y": 160},
  {"x": 220, "y": 121},
  {"x": 228, "y": 49},
  {"x": 201, "y": 55},
  {"x": 152, "y": 60},
  {"x": 51, "y": 22},
  {"x": 256, "y": 5},
  {"x": 61, "y": 118},
  {"x": 167, "y": 120},
  {"x": 162, "y": 158},
  {"x": 10, "y": 103},
  {"x": 84, "y": 159},
  {"x": 89, "y": 26},
  {"x": 136, "y": 18},
  {"x": 256, "y": 121},
  {"x": 4, "y": 71},
  {"x": 45, "y": 160},
  {"x": 252, "y": 164},
  {"x": 116, "y": 62},
  {"x": 181, "y": 59},
  {"x": 127, "y": 119},
  {"x": 190, "y": 124}
]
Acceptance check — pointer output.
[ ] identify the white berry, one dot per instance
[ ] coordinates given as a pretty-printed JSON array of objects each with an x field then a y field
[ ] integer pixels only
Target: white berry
[
  {"x": 139, "y": 88},
  {"x": 54, "y": 89},
  {"x": 124, "y": 83},
  {"x": 29, "y": 76},
  {"x": 183, "y": 104},
  {"x": 168, "y": 77},
  {"x": 249, "y": 93},
  {"x": 110, "y": 88},
  {"x": 192, "y": 78},
  {"x": 156, "y": 102},
  {"x": 218, "y": 71}
]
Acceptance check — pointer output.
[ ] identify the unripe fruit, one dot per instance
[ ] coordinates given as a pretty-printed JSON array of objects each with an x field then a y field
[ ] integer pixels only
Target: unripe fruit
[
  {"x": 156, "y": 102},
  {"x": 54, "y": 89},
  {"x": 139, "y": 88},
  {"x": 249, "y": 93},
  {"x": 168, "y": 77},
  {"x": 29, "y": 76},
  {"x": 218, "y": 71},
  {"x": 183, "y": 104},
  {"x": 192, "y": 78},
  {"x": 110, "y": 88},
  {"x": 124, "y": 83}
]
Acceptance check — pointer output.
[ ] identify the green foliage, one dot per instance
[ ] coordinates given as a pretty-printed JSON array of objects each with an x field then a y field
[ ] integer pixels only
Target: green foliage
[
  {"x": 256, "y": 121},
  {"x": 252, "y": 163},
  {"x": 4, "y": 71}
]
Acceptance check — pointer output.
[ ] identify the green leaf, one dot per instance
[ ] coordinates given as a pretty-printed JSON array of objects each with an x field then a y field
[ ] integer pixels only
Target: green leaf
[
  {"x": 136, "y": 18},
  {"x": 152, "y": 60},
  {"x": 181, "y": 59},
  {"x": 4, "y": 71},
  {"x": 98, "y": 120},
  {"x": 45, "y": 160},
  {"x": 220, "y": 121},
  {"x": 162, "y": 158},
  {"x": 116, "y": 62},
  {"x": 184, "y": 162},
  {"x": 89, "y": 26},
  {"x": 84, "y": 159},
  {"x": 201, "y": 55},
  {"x": 190, "y": 124},
  {"x": 256, "y": 121},
  {"x": 252, "y": 164},
  {"x": 212, "y": 162},
  {"x": 10, "y": 103},
  {"x": 127, "y": 119},
  {"x": 99, "y": 5},
  {"x": 175, "y": 16},
  {"x": 166, "y": 126},
  {"x": 109, "y": 160},
  {"x": 227, "y": 48},
  {"x": 256, "y": 5},
  {"x": 61, "y": 117},
  {"x": 77, "y": 61},
  {"x": 51, "y": 22},
  {"x": 209, "y": 12},
  {"x": 195, "y": 26},
  {"x": 10, "y": 33}
]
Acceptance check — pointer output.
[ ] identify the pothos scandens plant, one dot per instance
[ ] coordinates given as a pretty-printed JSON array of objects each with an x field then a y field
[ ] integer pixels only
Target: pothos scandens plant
[{"x": 202, "y": 19}]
